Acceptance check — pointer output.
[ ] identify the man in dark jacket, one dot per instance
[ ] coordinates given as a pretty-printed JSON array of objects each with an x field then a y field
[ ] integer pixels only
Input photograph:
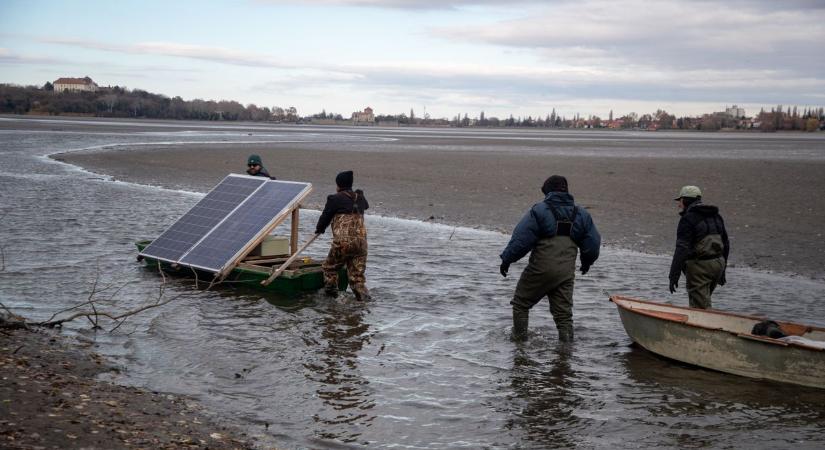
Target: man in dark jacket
[
  {"x": 256, "y": 168},
  {"x": 345, "y": 210},
  {"x": 702, "y": 248},
  {"x": 553, "y": 231}
]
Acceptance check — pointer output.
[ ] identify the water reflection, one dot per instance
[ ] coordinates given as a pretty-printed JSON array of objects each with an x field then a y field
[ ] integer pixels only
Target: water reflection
[
  {"x": 697, "y": 406},
  {"x": 546, "y": 400},
  {"x": 333, "y": 367}
]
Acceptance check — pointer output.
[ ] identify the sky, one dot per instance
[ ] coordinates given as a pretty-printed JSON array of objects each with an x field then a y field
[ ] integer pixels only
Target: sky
[{"x": 437, "y": 57}]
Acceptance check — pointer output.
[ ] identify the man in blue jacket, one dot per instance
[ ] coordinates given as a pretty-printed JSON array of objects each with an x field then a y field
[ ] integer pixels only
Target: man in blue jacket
[{"x": 552, "y": 232}]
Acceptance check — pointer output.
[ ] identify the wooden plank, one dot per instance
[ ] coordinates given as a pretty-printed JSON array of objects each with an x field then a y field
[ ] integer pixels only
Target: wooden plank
[
  {"x": 673, "y": 317},
  {"x": 265, "y": 261},
  {"x": 293, "y": 237},
  {"x": 765, "y": 339},
  {"x": 289, "y": 261},
  {"x": 793, "y": 329}
]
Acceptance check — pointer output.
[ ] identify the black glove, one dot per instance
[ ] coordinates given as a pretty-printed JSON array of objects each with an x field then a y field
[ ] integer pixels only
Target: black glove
[
  {"x": 722, "y": 280},
  {"x": 673, "y": 285},
  {"x": 504, "y": 268},
  {"x": 585, "y": 269}
]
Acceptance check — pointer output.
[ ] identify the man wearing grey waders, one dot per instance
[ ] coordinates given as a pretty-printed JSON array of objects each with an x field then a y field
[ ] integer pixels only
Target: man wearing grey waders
[
  {"x": 702, "y": 248},
  {"x": 552, "y": 231}
]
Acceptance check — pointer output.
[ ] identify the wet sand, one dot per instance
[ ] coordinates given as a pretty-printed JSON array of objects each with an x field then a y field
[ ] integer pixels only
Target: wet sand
[
  {"x": 52, "y": 399},
  {"x": 773, "y": 208}
]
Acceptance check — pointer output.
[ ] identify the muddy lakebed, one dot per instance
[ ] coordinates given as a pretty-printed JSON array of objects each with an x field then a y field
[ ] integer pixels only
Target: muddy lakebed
[{"x": 428, "y": 363}]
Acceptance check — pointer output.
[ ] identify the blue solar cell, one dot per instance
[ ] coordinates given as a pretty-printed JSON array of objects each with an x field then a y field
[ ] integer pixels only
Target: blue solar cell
[
  {"x": 202, "y": 218},
  {"x": 245, "y": 224}
]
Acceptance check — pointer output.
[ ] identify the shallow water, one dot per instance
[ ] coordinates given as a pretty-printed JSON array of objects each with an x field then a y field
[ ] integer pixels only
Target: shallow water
[{"x": 427, "y": 364}]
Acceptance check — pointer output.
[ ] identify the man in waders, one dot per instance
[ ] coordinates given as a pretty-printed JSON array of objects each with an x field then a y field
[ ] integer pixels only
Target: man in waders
[
  {"x": 702, "y": 248},
  {"x": 552, "y": 231},
  {"x": 345, "y": 210}
]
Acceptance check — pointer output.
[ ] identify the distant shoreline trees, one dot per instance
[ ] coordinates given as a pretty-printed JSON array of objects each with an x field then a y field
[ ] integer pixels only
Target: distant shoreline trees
[{"x": 136, "y": 103}]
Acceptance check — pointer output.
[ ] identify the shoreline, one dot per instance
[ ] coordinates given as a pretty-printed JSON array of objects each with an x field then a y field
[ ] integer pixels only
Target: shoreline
[
  {"x": 629, "y": 198},
  {"x": 344, "y": 124},
  {"x": 53, "y": 397}
]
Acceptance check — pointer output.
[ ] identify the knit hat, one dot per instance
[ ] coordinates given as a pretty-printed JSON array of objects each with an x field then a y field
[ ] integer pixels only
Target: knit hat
[
  {"x": 253, "y": 159},
  {"x": 344, "y": 180},
  {"x": 689, "y": 191},
  {"x": 555, "y": 183}
]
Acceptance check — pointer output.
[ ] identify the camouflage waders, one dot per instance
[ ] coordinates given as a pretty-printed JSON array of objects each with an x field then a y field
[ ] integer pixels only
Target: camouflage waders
[
  {"x": 349, "y": 246},
  {"x": 551, "y": 272},
  {"x": 704, "y": 272}
]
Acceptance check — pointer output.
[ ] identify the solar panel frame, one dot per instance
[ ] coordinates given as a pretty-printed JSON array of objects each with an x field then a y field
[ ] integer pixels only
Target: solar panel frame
[
  {"x": 215, "y": 200},
  {"x": 253, "y": 203}
]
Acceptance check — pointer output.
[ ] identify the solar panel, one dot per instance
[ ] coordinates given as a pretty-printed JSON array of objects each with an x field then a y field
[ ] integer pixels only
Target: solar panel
[
  {"x": 245, "y": 224},
  {"x": 203, "y": 217},
  {"x": 235, "y": 214}
]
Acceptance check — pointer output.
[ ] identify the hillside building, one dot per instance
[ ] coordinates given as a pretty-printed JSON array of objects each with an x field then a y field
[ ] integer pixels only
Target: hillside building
[{"x": 84, "y": 84}]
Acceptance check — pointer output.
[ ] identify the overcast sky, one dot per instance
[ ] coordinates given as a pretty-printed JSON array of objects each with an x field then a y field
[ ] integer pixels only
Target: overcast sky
[{"x": 445, "y": 57}]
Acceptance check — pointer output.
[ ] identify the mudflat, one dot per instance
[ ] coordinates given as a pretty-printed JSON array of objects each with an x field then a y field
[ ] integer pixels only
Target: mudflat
[
  {"x": 51, "y": 398},
  {"x": 773, "y": 206}
]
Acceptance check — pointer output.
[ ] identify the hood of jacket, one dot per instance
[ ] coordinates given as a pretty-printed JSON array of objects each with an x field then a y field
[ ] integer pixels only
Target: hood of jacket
[
  {"x": 559, "y": 199},
  {"x": 701, "y": 209}
]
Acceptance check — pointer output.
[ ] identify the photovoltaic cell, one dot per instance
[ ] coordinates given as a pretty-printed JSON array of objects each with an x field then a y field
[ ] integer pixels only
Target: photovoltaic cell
[
  {"x": 202, "y": 218},
  {"x": 228, "y": 239}
]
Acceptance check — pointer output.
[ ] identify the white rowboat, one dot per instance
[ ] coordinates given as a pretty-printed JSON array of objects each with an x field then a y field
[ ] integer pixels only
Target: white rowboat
[{"x": 723, "y": 341}]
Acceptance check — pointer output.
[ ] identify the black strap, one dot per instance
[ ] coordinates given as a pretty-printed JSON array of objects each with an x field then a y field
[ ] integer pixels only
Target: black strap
[
  {"x": 564, "y": 225},
  {"x": 559, "y": 217}
]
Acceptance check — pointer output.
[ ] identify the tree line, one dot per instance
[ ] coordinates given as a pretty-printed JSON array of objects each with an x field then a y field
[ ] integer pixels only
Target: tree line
[{"x": 122, "y": 102}]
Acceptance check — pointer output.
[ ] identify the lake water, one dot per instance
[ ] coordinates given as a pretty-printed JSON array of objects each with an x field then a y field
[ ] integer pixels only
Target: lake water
[{"x": 427, "y": 364}]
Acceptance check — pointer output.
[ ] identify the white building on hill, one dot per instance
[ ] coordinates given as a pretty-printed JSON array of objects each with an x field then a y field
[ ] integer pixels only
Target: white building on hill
[{"x": 75, "y": 85}]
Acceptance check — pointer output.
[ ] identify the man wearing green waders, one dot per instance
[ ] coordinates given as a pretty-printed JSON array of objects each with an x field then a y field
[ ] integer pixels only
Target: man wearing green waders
[
  {"x": 702, "y": 248},
  {"x": 552, "y": 231}
]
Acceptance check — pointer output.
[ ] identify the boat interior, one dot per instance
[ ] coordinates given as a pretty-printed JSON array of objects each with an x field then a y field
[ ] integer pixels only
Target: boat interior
[{"x": 717, "y": 320}]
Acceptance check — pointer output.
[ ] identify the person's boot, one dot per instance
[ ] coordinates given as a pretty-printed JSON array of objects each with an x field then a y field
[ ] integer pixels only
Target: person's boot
[
  {"x": 521, "y": 320},
  {"x": 566, "y": 333},
  {"x": 362, "y": 294},
  {"x": 331, "y": 291}
]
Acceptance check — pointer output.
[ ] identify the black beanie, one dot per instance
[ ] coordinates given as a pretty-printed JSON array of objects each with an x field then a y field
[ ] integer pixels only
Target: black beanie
[
  {"x": 344, "y": 180},
  {"x": 555, "y": 183}
]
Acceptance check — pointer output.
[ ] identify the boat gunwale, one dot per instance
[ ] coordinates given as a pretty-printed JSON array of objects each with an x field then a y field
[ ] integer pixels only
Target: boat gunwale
[{"x": 749, "y": 336}]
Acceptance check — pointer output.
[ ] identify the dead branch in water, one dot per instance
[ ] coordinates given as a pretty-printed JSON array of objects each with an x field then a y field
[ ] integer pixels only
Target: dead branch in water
[
  {"x": 92, "y": 312},
  {"x": 2, "y": 249}
]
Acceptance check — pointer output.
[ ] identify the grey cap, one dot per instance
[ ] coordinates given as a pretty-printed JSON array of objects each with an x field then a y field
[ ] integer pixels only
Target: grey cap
[{"x": 689, "y": 191}]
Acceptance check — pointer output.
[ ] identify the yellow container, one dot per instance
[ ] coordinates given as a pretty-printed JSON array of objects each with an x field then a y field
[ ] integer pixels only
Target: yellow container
[{"x": 272, "y": 246}]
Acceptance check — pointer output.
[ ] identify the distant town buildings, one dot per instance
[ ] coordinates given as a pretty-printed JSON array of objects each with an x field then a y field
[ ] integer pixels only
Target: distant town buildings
[
  {"x": 75, "y": 85},
  {"x": 363, "y": 117},
  {"x": 735, "y": 111}
]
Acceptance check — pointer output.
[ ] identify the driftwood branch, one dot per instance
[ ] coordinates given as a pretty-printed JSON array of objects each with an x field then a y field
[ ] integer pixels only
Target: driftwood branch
[
  {"x": 90, "y": 309},
  {"x": 11, "y": 320},
  {"x": 2, "y": 249}
]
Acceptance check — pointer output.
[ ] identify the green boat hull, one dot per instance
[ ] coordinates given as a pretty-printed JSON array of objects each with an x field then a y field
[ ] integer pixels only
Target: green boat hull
[{"x": 306, "y": 276}]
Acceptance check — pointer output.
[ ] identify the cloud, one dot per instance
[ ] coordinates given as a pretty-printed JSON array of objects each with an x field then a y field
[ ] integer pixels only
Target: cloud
[
  {"x": 524, "y": 87},
  {"x": 199, "y": 52},
  {"x": 9, "y": 57},
  {"x": 401, "y": 4},
  {"x": 679, "y": 35}
]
